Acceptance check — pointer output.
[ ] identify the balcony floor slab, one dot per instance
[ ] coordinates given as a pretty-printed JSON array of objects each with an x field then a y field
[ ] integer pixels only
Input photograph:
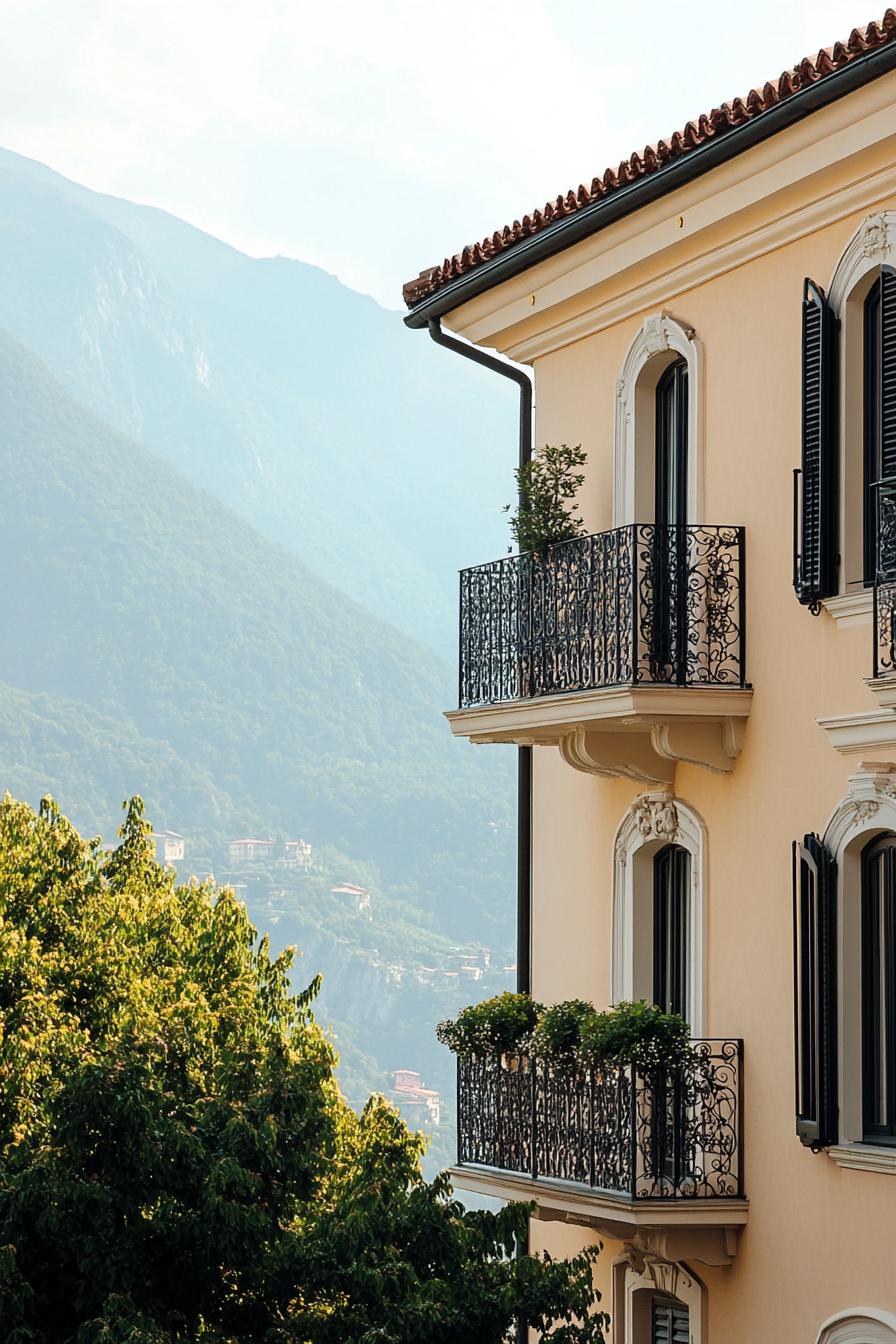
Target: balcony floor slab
[
  {"x": 636, "y": 732},
  {"x": 676, "y": 1229}
]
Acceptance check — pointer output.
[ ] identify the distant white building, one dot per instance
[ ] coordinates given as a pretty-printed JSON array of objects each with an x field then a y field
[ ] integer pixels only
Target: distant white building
[
  {"x": 251, "y": 851},
  {"x": 169, "y": 846},
  {"x": 360, "y": 896},
  {"x": 285, "y": 853},
  {"x": 296, "y": 854}
]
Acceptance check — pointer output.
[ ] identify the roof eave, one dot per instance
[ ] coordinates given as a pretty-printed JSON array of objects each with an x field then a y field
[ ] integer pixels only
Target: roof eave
[{"x": 574, "y": 228}]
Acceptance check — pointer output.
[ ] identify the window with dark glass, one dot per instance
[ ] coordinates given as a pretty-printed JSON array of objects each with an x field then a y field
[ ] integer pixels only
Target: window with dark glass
[
  {"x": 668, "y": 632},
  {"x": 671, "y": 471},
  {"x": 669, "y": 1321},
  {"x": 815, "y": 991},
  {"x": 873, "y": 469},
  {"x": 879, "y": 991},
  {"x": 671, "y": 926}
]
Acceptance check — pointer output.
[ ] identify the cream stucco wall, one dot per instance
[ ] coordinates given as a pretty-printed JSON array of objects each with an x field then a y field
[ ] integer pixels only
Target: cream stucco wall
[{"x": 819, "y": 1238}]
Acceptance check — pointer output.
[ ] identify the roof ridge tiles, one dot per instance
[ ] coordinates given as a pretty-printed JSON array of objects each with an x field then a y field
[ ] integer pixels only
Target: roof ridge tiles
[{"x": 696, "y": 132}]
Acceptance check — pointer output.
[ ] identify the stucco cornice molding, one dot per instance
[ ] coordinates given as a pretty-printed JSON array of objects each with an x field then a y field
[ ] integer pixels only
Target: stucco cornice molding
[
  {"x": 660, "y": 333},
  {"x": 873, "y": 242},
  {"x": 869, "y": 730},
  {"x": 677, "y": 280}
]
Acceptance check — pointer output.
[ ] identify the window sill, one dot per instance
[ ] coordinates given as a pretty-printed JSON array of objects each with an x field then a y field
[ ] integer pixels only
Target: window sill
[
  {"x": 864, "y": 1157},
  {"x": 850, "y": 608}
]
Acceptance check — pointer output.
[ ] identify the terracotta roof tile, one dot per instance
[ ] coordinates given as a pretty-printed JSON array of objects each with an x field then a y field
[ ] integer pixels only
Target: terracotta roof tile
[{"x": 707, "y": 126}]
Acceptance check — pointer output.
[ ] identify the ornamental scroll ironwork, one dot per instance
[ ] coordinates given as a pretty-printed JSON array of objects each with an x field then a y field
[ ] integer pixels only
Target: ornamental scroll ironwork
[
  {"x": 638, "y": 605},
  {"x": 885, "y": 584},
  {"x": 649, "y": 1136}
]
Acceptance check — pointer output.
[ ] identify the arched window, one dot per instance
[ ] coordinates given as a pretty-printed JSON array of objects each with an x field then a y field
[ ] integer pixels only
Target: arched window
[
  {"x": 862, "y": 299},
  {"x": 657, "y": 1302},
  {"x": 860, "y": 840},
  {"x": 861, "y": 1325},
  {"x": 658, "y": 907},
  {"x": 879, "y": 990},
  {"x": 659, "y": 427}
]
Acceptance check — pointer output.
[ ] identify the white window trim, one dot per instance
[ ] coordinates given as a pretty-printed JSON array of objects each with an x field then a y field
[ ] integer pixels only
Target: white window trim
[
  {"x": 868, "y": 809},
  {"x": 640, "y": 1274},
  {"x": 859, "y": 1325},
  {"x": 659, "y": 334},
  {"x": 654, "y": 820},
  {"x": 873, "y": 242}
]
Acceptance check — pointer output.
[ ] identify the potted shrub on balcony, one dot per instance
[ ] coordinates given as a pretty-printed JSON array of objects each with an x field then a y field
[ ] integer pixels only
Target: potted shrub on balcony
[
  {"x": 545, "y": 517},
  {"x": 571, "y": 1035},
  {"x": 500, "y": 1026},
  {"x": 548, "y": 485},
  {"x": 637, "y": 1034},
  {"x": 557, "y": 1036}
]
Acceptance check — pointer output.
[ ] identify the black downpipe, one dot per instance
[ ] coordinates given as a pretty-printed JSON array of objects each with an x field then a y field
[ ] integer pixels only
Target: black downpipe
[
  {"x": 524, "y": 760},
  {"x": 524, "y": 754}
]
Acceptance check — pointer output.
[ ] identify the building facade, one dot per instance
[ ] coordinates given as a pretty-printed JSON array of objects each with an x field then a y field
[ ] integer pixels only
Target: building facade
[
  {"x": 169, "y": 846},
  {"x": 703, "y": 691}
]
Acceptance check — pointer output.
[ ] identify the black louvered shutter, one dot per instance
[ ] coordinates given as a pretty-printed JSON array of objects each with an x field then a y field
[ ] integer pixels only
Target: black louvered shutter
[
  {"x": 887, "y": 373},
  {"x": 815, "y": 544},
  {"x": 670, "y": 1323},
  {"x": 815, "y": 991}
]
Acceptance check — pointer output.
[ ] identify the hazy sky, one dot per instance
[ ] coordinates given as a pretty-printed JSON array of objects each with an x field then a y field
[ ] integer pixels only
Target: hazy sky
[{"x": 372, "y": 138}]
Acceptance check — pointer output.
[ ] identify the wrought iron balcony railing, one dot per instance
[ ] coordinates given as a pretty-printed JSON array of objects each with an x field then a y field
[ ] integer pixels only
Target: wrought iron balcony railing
[
  {"x": 885, "y": 583},
  {"x": 639, "y": 605},
  {"x": 615, "y": 1131}
]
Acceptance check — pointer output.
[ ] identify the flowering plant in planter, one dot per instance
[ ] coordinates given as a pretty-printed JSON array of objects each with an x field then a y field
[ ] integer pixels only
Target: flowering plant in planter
[
  {"x": 570, "y": 1035},
  {"x": 498, "y": 1026},
  {"x": 637, "y": 1034},
  {"x": 557, "y": 1036}
]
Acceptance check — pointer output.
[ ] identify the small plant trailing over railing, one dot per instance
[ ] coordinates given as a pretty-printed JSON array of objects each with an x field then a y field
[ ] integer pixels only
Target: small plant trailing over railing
[
  {"x": 571, "y": 1035},
  {"x": 548, "y": 486}
]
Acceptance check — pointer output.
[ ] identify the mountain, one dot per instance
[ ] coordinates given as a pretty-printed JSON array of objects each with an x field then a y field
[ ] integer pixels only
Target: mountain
[
  {"x": 234, "y": 499},
  {"x": 158, "y": 643},
  {"x": 304, "y": 407}
]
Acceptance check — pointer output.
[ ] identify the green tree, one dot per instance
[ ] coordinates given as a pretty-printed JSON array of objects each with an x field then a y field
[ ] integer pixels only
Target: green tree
[{"x": 176, "y": 1160}]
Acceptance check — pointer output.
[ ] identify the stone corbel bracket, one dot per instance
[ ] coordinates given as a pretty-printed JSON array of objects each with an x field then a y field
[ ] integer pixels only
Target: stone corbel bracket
[{"x": 652, "y": 755}]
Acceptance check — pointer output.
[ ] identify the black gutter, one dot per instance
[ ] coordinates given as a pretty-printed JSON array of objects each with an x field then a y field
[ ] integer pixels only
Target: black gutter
[{"x": 597, "y": 215}]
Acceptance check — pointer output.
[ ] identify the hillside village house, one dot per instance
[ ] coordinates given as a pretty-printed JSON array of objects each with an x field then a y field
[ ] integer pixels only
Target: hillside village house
[
  {"x": 286, "y": 854},
  {"x": 169, "y": 846},
  {"x": 703, "y": 693}
]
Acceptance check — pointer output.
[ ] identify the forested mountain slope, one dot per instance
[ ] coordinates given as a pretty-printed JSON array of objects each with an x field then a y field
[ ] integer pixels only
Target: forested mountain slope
[
  {"x": 380, "y": 460},
  {"x": 235, "y": 682}
]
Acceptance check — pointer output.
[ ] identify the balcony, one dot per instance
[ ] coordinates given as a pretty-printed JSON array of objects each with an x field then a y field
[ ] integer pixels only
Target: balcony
[
  {"x": 652, "y": 1160},
  {"x": 626, "y": 649}
]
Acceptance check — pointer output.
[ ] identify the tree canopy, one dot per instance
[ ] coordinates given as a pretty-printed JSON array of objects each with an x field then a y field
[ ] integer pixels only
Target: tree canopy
[{"x": 177, "y": 1163}]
